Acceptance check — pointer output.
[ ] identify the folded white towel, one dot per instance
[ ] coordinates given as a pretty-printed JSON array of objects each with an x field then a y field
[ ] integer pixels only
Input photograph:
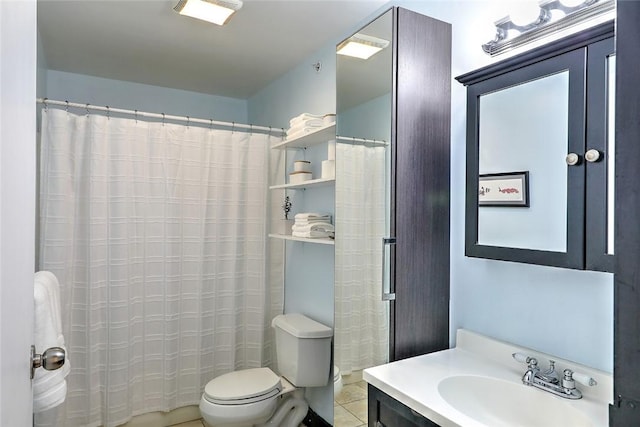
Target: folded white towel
[
  {"x": 313, "y": 123},
  {"x": 304, "y": 222},
  {"x": 310, "y": 234},
  {"x": 49, "y": 387},
  {"x": 311, "y": 215},
  {"x": 318, "y": 226},
  {"x": 302, "y": 132},
  {"x": 303, "y": 117}
]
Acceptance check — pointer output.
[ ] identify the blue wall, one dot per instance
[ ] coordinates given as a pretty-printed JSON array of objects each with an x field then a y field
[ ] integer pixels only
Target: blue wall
[
  {"x": 563, "y": 312},
  {"x": 308, "y": 267},
  {"x": 498, "y": 299},
  {"x": 62, "y": 86}
]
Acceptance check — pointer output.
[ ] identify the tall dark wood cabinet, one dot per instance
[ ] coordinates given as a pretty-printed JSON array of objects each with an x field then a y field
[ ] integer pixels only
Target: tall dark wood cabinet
[
  {"x": 421, "y": 126},
  {"x": 626, "y": 408},
  {"x": 398, "y": 100}
]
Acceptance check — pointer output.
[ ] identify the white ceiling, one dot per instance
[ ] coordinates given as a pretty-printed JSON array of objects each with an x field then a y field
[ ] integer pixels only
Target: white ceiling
[{"x": 145, "y": 41}]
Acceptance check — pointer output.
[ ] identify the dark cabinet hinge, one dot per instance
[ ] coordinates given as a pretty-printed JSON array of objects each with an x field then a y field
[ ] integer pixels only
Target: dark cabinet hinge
[{"x": 625, "y": 403}]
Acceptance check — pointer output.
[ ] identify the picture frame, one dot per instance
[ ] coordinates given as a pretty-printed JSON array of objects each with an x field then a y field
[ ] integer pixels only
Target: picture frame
[{"x": 509, "y": 189}]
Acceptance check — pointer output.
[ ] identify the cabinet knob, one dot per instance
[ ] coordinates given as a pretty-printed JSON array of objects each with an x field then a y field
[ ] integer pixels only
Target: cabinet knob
[
  {"x": 572, "y": 159},
  {"x": 592, "y": 156}
]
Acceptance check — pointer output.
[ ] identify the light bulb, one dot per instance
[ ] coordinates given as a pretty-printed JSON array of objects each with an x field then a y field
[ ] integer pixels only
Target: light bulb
[
  {"x": 525, "y": 13},
  {"x": 487, "y": 32}
]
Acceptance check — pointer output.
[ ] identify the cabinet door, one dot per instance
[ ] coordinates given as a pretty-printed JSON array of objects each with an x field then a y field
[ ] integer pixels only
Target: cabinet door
[
  {"x": 385, "y": 411},
  {"x": 524, "y": 123},
  {"x": 420, "y": 220},
  {"x": 600, "y": 172}
]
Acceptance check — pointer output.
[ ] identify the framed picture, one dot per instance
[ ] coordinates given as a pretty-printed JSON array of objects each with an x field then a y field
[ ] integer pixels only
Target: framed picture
[{"x": 504, "y": 189}]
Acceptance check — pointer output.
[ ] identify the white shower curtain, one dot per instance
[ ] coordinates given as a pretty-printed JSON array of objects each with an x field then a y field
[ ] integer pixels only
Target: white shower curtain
[
  {"x": 157, "y": 234},
  {"x": 361, "y": 317}
]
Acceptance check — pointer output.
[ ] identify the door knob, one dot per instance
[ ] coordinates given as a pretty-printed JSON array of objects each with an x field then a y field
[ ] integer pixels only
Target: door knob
[
  {"x": 592, "y": 156},
  {"x": 51, "y": 359}
]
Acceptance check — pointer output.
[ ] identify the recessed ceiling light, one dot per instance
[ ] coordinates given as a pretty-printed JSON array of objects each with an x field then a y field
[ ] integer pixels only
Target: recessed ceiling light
[
  {"x": 362, "y": 46},
  {"x": 215, "y": 11}
]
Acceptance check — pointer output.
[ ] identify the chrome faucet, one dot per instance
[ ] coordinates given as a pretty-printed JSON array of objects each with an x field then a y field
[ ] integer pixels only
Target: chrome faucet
[{"x": 550, "y": 381}]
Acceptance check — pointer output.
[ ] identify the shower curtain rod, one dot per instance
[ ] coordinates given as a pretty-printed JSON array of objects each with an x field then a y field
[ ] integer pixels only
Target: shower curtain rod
[
  {"x": 46, "y": 102},
  {"x": 361, "y": 140}
]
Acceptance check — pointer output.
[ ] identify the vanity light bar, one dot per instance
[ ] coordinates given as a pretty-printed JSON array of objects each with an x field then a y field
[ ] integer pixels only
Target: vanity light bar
[
  {"x": 544, "y": 25},
  {"x": 361, "y": 46}
]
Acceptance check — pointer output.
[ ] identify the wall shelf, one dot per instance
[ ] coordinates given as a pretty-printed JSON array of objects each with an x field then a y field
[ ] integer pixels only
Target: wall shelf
[
  {"x": 320, "y": 182},
  {"x": 323, "y": 134},
  {"x": 322, "y": 241}
]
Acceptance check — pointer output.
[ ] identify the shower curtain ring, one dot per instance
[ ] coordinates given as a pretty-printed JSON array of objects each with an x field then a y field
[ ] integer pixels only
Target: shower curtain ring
[
  {"x": 188, "y": 119},
  {"x": 67, "y": 107},
  {"x": 86, "y": 107},
  {"x": 233, "y": 127},
  {"x": 250, "y": 129},
  {"x": 162, "y": 119},
  {"x": 210, "y": 124},
  {"x": 136, "y": 115},
  {"x": 44, "y": 102},
  {"x": 108, "y": 113}
]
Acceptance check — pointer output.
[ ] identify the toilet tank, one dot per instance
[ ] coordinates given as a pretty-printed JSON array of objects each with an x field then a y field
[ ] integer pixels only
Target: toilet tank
[{"x": 303, "y": 348}]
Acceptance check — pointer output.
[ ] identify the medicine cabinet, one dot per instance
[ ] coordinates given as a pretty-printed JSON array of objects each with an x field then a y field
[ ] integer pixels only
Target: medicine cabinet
[{"x": 540, "y": 155}]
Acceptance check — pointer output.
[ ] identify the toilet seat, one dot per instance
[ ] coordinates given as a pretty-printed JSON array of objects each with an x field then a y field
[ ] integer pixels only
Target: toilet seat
[{"x": 243, "y": 387}]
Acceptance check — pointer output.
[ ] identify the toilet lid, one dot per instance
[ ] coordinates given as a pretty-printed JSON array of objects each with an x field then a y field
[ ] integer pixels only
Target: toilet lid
[{"x": 242, "y": 387}]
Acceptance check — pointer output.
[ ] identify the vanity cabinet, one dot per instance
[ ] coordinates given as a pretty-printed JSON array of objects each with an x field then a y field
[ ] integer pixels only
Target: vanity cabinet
[
  {"x": 540, "y": 155},
  {"x": 385, "y": 411}
]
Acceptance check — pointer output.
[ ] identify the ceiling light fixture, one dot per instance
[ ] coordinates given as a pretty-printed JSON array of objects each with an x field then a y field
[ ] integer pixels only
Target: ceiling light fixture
[
  {"x": 361, "y": 46},
  {"x": 528, "y": 29},
  {"x": 215, "y": 11}
]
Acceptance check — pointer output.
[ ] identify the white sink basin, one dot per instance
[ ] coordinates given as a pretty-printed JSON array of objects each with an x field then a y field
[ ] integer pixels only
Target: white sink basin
[{"x": 495, "y": 402}]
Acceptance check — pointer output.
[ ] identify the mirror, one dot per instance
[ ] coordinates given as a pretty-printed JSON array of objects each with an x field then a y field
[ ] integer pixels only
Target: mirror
[
  {"x": 524, "y": 128},
  {"x": 363, "y": 163},
  {"x": 611, "y": 149},
  {"x": 541, "y": 156}
]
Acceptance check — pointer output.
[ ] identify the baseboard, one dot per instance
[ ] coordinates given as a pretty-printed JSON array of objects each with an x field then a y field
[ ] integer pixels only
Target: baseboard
[{"x": 314, "y": 420}]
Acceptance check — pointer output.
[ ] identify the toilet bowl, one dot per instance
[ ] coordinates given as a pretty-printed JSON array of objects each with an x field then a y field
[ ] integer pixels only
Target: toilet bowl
[
  {"x": 337, "y": 381},
  {"x": 258, "y": 397}
]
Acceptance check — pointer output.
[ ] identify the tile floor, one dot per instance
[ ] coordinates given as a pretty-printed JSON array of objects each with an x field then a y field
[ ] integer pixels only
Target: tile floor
[
  {"x": 199, "y": 423},
  {"x": 350, "y": 405},
  {"x": 195, "y": 423}
]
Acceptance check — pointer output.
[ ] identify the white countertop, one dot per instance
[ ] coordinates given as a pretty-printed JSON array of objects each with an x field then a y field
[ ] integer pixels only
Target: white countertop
[{"x": 414, "y": 382}]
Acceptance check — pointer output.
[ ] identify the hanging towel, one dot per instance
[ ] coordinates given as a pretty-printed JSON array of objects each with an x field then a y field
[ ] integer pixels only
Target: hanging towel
[{"x": 49, "y": 387}]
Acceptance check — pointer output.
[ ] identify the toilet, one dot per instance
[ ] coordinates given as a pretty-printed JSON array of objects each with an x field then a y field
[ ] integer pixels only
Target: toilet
[
  {"x": 337, "y": 381},
  {"x": 258, "y": 397}
]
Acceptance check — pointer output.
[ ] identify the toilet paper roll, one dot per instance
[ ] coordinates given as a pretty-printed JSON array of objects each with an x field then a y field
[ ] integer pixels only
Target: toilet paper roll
[
  {"x": 328, "y": 169},
  {"x": 331, "y": 150},
  {"x": 302, "y": 166}
]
